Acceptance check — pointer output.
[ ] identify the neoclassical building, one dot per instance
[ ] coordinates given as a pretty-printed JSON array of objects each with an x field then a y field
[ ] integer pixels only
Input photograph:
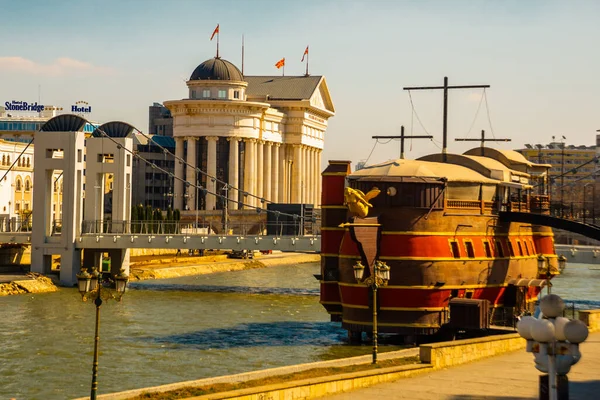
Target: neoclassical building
[{"x": 261, "y": 135}]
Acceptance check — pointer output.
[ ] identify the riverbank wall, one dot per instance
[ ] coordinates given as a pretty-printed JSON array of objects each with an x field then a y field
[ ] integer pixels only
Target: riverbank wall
[
  {"x": 29, "y": 283},
  {"x": 188, "y": 266}
]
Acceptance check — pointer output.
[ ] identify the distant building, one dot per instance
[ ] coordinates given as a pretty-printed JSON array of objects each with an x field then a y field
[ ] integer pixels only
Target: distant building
[
  {"x": 160, "y": 121},
  {"x": 261, "y": 135},
  {"x": 570, "y": 180},
  {"x": 152, "y": 186}
]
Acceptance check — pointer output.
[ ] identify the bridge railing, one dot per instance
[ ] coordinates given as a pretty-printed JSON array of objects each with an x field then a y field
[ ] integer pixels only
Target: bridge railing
[
  {"x": 298, "y": 228},
  {"x": 15, "y": 224}
]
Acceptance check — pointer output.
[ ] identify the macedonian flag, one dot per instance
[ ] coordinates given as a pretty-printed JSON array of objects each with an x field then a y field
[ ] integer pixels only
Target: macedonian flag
[
  {"x": 280, "y": 63},
  {"x": 214, "y": 32}
]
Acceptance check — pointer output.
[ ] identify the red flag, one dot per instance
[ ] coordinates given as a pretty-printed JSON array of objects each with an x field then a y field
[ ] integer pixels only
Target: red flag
[
  {"x": 305, "y": 54},
  {"x": 214, "y": 32},
  {"x": 280, "y": 63}
]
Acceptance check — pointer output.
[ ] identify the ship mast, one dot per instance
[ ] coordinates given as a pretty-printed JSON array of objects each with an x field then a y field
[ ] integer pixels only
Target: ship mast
[
  {"x": 402, "y": 137},
  {"x": 445, "y": 122},
  {"x": 482, "y": 140}
]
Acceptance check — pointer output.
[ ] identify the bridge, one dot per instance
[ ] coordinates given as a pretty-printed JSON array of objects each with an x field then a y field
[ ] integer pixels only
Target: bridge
[{"x": 85, "y": 233}]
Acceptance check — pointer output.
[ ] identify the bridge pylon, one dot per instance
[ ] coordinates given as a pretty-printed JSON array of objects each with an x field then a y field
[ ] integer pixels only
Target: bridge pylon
[{"x": 58, "y": 151}]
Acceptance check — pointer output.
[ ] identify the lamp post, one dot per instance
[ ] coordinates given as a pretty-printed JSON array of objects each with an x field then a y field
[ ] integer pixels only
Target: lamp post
[
  {"x": 380, "y": 277},
  {"x": 544, "y": 268},
  {"x": 554, "y": 342},
  {"x": 91, "y": 286},
  {"x": 593, "y": 185}
]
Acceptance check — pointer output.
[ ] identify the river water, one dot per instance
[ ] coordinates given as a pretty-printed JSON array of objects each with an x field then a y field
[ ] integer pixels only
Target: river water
[{"x": 187, "y": 328}]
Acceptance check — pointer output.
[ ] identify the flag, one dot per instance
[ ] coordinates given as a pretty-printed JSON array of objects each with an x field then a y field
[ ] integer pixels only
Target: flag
[
  {"x": 214, "y": 32},
  {"x": 280, "y": 63},
  {"x": 305, "y": 54}
]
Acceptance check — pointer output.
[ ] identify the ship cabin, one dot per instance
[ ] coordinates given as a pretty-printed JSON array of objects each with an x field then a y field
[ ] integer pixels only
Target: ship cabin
[{"x": 481, "y": 181}]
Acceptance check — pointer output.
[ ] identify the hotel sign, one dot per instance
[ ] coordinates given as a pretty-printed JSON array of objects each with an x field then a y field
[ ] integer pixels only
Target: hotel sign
[
  {"x": 81, "y": 107},
  {"x": 23, "y": 106}
]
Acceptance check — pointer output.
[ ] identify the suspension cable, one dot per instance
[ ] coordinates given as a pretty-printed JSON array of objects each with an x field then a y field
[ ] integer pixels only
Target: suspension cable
[{"x": 199, "y": 187}]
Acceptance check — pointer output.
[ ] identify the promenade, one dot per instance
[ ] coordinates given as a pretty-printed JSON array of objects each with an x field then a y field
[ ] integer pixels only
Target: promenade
[{"x": 508, "y": 376}]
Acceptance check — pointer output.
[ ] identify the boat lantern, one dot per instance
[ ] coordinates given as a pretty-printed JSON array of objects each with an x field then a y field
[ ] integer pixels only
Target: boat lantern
[
  {"x": 541, "y": 262},
  {"x": 562, "y": 262},
  {"x": 359, "y": 271},
  {"x": 384, "y": 271}
]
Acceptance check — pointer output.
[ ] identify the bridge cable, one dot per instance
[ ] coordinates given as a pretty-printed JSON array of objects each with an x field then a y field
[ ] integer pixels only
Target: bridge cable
[
  {"x": 195, "y": 186},
  {"x": 16, "y": 159}
]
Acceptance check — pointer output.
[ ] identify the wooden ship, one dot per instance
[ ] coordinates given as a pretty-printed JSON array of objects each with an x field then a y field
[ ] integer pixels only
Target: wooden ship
[{"x": 436, "y": 223}]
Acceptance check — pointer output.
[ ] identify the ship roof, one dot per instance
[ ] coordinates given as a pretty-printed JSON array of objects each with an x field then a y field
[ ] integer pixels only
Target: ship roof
[
  {"x": 420, "y": 170},
  {"x": 510, "y": 158},
  {"x": 486, "y": 166}
]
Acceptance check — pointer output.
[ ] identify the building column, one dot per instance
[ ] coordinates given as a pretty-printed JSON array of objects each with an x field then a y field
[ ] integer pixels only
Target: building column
[
  {"x": 268, "y": 171},
  {"x": 249, "y": 174},
  {"x": 178, "y": 195},
  {"x": 283, "y": 188},
  {"x": 192, "y": 161},
  {"x": 305, "y": 177},
  {"x": 275, "y": 198},
  {"x": 296, "y": 181},
  {"x": 319, "y": 180},
  {"x": 211, "y": 171},
  {"x": 260, "y": 173},
  {"x": 234, "y": 169},
  {"x": 315, "y": 174},
  {"x": 309, "y": 176}
]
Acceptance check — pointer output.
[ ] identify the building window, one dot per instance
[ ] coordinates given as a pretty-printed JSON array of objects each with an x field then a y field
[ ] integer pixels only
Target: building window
[
  {"x": 17, "y": 207},
  {"x": 499, "y": 249},
  {"x": 455, "y": 249},
  {"x": 487, "y": 248},
  {"x": 222, "y": 94},
  {"x": 27, "y": 185},
  {"x": 18, "y": 184},
  {"x": 470, "y": 249},
  {"x": 236, "y": 94},
  {"x": 206, "y": 93},
  {"x": 511, "y": 249}
]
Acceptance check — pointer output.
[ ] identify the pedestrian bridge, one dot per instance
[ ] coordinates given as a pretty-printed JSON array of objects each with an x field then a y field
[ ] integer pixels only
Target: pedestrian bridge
[{"x": 113, "y": 235}]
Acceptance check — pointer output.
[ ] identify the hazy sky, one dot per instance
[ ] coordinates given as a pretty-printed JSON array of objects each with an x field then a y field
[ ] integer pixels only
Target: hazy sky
[{"x": 541, "y": 59}]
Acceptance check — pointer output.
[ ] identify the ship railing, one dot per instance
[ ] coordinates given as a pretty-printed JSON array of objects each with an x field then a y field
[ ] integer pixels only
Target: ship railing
[
  {"x": 540, "y": 204},
  {"x": 484, "y": 207}
]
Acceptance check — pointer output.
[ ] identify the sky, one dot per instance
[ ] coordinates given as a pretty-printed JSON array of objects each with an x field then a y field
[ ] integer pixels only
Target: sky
[{"x": 540, "y": 59}]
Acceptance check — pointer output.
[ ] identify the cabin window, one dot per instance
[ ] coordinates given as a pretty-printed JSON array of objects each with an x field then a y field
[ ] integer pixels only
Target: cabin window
[
  {"x": 520, "y": 248},
  {"x": 455, "y": 249},
  {"x": 487, "y": 248},
  {"x": 526, "y": 247},
  {"x": 470, "y": 249},
  {"x": 511, "y": 249},
  {"x": 532, "y": 246},
  {"x": 499, "y": 249}
]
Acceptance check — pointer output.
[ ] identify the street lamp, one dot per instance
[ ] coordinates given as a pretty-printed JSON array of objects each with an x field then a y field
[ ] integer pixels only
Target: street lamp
[
  {"x": 380, "y": 277},
  {"x": 91, "y": 286},
  {"x": 554, "y": 341},
  {"x": 544, "y": 268},
  {"x": 593, "y": 185}
]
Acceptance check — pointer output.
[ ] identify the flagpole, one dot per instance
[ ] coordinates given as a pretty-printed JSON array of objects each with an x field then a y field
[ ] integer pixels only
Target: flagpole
[
  {"x": 242, "y": 54},
  {"x": 307, "y": 55},
  {"x": 218, "y": 34},
  {"x": 283, "y": 68}
]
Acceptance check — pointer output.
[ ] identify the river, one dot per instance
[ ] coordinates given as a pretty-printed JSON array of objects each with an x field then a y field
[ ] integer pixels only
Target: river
[{"x": 183, "y": 329}]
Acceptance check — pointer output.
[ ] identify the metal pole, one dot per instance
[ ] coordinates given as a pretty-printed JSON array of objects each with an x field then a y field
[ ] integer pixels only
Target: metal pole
[
  {"x": 562, "y": 180},
  {"x": 445, "y": 127},
  {"x": 402, "y": 142},
  {"x": 374, "y": 287},
  {"x": 98, "y": 303},
  {"x": 553, "y": 393}
]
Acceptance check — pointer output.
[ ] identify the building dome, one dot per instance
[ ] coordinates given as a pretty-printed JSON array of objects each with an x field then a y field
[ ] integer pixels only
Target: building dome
[{"x": 217, "y": 69}]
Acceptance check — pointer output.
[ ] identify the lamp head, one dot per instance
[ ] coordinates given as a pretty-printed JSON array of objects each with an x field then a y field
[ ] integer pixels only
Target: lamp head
[
  {"x": 552, "y": 305},
  {"x": 121, "y": 283},
  {"x": 359, "y": 271},
  {"x": 83, "y": 282}
]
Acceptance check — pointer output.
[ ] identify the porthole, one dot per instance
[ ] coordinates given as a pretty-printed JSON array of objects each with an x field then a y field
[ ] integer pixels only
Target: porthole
[{"x": 391, "y": 191}]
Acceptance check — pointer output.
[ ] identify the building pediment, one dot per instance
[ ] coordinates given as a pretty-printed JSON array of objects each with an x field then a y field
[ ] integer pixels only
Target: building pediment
[{"x": 321, "y": 97}]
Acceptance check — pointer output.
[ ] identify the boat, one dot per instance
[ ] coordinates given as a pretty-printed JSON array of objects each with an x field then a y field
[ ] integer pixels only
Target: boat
[{"x": 436, "y": 223}]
